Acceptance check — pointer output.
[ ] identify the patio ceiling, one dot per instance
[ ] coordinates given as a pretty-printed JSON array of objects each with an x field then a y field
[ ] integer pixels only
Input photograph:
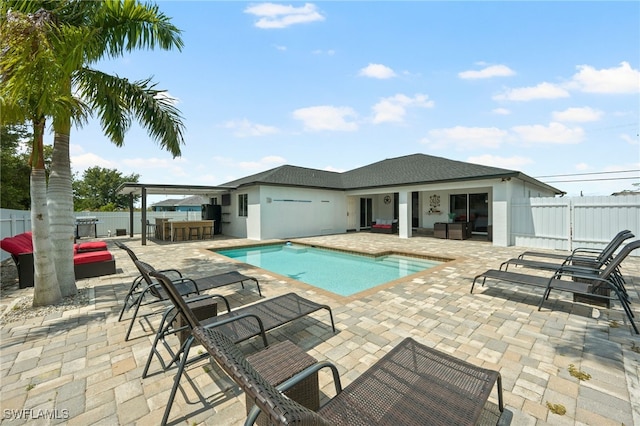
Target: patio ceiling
[{"x": 130, "y": 188}]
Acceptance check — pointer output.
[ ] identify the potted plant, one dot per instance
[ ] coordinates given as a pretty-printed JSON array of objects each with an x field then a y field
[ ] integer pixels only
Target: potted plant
[{"x": 452, "y": 216}]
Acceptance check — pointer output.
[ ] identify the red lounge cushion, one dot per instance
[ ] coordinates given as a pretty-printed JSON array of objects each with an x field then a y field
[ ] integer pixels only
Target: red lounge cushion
[
  {"x": 17, "y": 245},
  {"x": 91, "y": 246},
  {"x": 382, "y": 226},
  {"x": 91, "y": 257}
]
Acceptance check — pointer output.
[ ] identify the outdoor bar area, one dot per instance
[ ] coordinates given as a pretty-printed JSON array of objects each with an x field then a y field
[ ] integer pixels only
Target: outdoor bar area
[{"x": 183, "y": 230}]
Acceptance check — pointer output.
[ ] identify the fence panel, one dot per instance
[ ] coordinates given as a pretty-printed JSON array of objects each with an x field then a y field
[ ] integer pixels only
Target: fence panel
[
  {"x": 570, "y": 222},
  {"x": 540, "y": 222}
]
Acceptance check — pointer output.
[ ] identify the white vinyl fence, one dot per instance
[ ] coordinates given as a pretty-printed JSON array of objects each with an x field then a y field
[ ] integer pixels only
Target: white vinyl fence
[{"x": 569, "y": 222}]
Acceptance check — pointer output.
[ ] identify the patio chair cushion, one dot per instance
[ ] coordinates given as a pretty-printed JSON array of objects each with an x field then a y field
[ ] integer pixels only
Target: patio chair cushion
[
  {"x": 92, "y": 257},
  {"x": 90, "y": 246}
]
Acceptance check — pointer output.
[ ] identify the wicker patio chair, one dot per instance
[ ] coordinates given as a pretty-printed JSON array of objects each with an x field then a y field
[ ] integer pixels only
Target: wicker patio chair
[
  {"x": 239, "y": 324},
  {"x": 584, "y": 281},
  {"x": 411, "y": 385}
]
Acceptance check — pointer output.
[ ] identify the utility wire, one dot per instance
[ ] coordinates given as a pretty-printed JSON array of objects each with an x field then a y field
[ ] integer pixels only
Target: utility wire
[
  {"x": 586, "y": 174},
  {"x": 592, "y": 180}
]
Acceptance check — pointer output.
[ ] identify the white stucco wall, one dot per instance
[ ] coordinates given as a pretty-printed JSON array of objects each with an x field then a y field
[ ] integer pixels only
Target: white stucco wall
[
  {"x": 238, "y": 226},
  {"x": 300, "y": 212}
]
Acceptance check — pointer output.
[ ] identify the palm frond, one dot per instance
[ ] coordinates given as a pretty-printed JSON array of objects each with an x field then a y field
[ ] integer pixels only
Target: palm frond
[{"x": 117, "y": 101}]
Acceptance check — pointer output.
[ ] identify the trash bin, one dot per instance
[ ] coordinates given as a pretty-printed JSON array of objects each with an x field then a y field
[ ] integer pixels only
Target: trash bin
[{"x": 120, "y": 232}]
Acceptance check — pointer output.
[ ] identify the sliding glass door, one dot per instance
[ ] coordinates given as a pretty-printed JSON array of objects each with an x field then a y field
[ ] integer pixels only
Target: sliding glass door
[
  {"x": 366, "y": 212},
  {"x": 472, "y": 208}
]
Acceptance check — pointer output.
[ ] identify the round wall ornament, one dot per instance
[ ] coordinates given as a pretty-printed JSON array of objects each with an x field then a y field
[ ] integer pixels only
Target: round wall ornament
[{"x": 387, "y": 199}]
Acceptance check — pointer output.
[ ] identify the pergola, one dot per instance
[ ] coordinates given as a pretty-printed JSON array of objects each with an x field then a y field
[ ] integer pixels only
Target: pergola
[{"x": 143, "y": 189}]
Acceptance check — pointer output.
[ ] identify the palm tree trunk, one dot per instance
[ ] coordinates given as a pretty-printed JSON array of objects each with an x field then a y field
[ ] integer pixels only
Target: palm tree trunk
[
  {"x": 60, "y": 205},
  {"x": 46, "y": 289}
]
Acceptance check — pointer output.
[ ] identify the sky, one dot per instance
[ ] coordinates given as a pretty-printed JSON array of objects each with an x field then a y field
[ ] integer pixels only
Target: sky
[{"x": 551, "y": 89}]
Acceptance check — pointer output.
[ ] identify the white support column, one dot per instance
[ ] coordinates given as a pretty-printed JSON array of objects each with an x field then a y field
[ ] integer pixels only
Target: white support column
[
  {"x": 502, "y": 214},
  {"x": 404, "y": 214}
]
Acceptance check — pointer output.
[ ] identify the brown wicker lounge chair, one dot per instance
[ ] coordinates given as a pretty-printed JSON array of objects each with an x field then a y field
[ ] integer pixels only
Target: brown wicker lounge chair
[
  {"x": 239, "y": 324},
  {"x": 411, "y": 385},
  {"x": 145, "y": 290},
  {"x": 583, "y": 281}
]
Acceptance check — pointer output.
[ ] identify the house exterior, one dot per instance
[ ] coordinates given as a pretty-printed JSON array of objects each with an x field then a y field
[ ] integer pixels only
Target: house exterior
[
  {"x": 188, "y": 204},
  {"x": 417, "y": 190}
]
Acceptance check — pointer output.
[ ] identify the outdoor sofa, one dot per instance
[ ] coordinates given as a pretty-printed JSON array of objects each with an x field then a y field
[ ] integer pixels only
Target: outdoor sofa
[
  {"x": 90, "y": 259},
  {"x": 385, "y": 226}
]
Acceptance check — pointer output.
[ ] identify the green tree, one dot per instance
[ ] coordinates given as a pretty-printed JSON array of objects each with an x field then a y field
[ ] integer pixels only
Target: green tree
[
  {"x": 96, "y": 190},
  {"x": 15, "y": 170},
  {"x": 88, "y": 32}
]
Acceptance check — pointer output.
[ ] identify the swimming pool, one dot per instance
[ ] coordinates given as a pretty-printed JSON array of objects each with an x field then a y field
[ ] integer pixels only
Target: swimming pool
[{"x": 341, "y": 273}]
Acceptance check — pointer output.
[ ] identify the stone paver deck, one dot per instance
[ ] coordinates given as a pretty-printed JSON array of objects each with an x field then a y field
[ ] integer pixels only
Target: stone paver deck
[{"x": 77, "y": 368}]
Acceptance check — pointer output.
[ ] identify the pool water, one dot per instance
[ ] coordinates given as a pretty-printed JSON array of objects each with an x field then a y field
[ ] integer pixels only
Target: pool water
[{"x": 341, "y": 273}]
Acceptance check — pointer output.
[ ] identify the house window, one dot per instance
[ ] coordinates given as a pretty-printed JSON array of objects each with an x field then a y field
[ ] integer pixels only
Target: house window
[{"x": 243, "y": 201}]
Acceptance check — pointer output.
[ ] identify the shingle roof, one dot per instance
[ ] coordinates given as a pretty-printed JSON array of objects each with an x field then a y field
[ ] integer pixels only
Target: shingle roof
[
  {"x": 293, "y": 176},
  {"x": 416, "y": 169},
  {"x": 405, "y": 170}
]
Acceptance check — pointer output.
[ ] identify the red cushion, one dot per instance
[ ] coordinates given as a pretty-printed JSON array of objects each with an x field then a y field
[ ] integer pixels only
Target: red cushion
[
  {"x": 91, "y": 257},
  {"x": 17, "y": 245},
  {"x": 382, "y": 226},
  {"x": 92, "y": 246}
]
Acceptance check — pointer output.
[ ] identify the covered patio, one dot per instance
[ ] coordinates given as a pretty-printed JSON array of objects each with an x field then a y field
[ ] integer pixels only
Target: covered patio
[{"x": 143, "y": 190}]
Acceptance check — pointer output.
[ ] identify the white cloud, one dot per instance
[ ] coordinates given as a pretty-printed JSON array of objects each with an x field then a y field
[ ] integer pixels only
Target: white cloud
[
  {"x": 582, "y": 167},
  {"x": 553, "y": 133},
  {"x": 171, "y": 168},
  {"x": 488, "y": 72},
  {"x": 166, "y": 97},
  {"x": 84, "y": 161},
  {"x": 630, "y": 140},
  {"x": 280, "y": 47},
  {"x": 394, "y": 108},
  {"x": 333, "y": 169},
  {"x": 578, "y": 115},
  {"x": 501, "y": 111},
  {"x": 513, "y": 163},
  {"x": 326, "y": 117},
  {"x": 244, "y": 128},
  {"x": 541, "y": 91},
  {"x": 274, "y": 15},
  {"x": 623, "y": 79},
  {"x": 264, "y": 163},
  {"x": 329, "y": 52},
  {"x": 466, "y": 137},
  {"x": 377, "y": 71}
]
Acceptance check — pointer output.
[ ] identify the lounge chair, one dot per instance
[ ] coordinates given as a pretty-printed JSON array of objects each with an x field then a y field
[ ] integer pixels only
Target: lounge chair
[
  {"x": 145, "y": 290},
  {"x": 239, "y": 324},
  {"x": 586, "y": 252},
  {"x": 584, "y": 282},
  {"x": 411, "y": 385},
  {"x": 574, "y": 259}
]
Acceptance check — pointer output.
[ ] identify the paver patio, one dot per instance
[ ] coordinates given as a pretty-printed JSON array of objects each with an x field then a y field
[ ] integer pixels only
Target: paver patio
[{"x": 76, "y": 366}]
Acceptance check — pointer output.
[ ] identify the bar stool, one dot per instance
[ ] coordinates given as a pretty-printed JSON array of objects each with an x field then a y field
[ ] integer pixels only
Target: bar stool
[
  {"x": 197, "y": 233},
  {"x": 175, "y": 233},
  {"x": 207, "y": 231}
]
